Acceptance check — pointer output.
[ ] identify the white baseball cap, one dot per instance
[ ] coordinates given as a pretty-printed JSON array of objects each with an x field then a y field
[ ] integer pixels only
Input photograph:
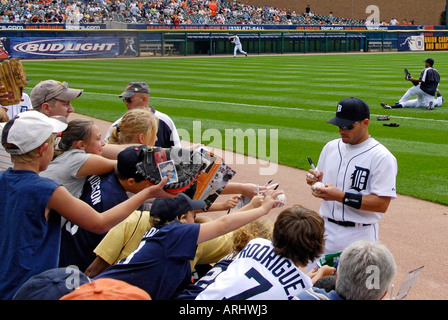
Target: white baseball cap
[{"x": 29, "y": 130}]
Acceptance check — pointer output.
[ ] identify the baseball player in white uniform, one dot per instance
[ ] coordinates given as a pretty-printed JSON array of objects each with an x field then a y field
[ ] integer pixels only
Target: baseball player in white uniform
[
  {"x": 359, "y": 175},
  {"x": 425, "y": 87},
  {"x": 238, "y": 47}
]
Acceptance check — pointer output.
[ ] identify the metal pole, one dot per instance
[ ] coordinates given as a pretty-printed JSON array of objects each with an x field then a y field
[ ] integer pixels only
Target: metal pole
[
  {"x": 161, "y": 44},
  {"x": 186, "y": 43},
  {"x": 446, "y": 12},
  {"x": 211, "y": 44}
]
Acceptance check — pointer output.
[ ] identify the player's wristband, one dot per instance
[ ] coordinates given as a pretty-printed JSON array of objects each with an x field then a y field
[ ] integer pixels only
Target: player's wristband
[{"x": 353, "y": 200}]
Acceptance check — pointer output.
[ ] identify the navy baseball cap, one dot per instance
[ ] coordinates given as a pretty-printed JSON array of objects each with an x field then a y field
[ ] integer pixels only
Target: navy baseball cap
[
  {"x": 133, "y": 88},
  {"x": 51, "y": 284},
  {"x": 168, "y": 209},
  {"x": 349, "y": 111},
  {"x": 430, "y": 61},
  {"x": 127, "y": 162}
]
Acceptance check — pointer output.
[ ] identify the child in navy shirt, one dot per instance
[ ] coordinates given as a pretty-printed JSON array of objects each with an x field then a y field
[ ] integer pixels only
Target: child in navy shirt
[{"x": 161, "y": 263}]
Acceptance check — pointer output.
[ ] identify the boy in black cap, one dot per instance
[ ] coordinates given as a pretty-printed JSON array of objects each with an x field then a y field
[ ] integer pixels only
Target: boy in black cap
[
  {"x": 102, "y": 193},
  {"x": 359, "y": 176},
  {"x": 425, "y": 87},
  {"x": 161, "y": 263}
]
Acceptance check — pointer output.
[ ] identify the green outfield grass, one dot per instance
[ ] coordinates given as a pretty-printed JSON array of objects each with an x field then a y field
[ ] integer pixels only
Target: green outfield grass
[{"x": 294, "y": 94}]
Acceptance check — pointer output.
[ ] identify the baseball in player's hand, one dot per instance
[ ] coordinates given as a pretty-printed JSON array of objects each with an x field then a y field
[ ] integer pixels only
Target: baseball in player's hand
[
  {"x": 329, "y": 193},
  {"x": 313, "y": 176}
]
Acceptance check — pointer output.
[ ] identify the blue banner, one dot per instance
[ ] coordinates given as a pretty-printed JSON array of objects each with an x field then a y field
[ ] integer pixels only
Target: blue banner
[
  {"x": 411, "y": 42},
  {"x": 267, "y": 27},
  {"x": 64, "y": 47}
]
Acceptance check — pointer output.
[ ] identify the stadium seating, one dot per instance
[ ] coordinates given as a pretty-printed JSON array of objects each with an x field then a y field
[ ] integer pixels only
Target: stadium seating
[{"x": 158, "y": 12}]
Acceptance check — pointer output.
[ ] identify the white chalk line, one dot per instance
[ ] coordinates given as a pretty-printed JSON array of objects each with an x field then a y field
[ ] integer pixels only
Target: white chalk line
[{"x": 263, "y": 106}]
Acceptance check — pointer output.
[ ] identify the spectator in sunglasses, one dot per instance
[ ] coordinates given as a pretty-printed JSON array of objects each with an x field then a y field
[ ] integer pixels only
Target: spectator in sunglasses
[{"x": 136, "y": 96}]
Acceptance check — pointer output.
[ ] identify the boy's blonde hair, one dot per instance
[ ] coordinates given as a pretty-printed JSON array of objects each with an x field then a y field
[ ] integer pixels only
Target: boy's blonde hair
[
  {"x": 133, "y": 123},
  {"x": 3, "y": 115},
  {"x": 260, "y": 228},
  {"x": 29, "y": 156}
]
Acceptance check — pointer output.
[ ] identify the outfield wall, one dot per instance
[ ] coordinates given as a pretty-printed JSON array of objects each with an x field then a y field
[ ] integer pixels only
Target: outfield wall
[{"x": 85, "y": 43}]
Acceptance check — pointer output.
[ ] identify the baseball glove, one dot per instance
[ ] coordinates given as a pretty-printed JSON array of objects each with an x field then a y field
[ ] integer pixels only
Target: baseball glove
[
  {"x": 383, "y": 118},
  {"x": 184, "y": 164},
  {"x": 13, "y": 79},
  {"x": 407, "y": 75}
]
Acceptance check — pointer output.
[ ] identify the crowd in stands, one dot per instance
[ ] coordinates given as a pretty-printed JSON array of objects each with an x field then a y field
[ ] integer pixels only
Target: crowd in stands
[{"x": 160, "y": 12}]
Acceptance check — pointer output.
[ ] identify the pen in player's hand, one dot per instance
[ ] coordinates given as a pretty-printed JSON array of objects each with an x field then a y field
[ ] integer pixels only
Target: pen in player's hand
[{"x": 311, "y": 164}]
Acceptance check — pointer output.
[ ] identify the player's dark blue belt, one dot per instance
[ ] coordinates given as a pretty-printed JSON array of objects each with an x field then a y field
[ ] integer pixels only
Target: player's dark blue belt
[{"x": 346, "y": 223}]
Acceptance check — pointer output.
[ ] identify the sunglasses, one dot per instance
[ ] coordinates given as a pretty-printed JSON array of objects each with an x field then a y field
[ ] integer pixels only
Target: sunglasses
[
  {"x": 348, "y": 128},
  {"x": 128, "y": 100}
]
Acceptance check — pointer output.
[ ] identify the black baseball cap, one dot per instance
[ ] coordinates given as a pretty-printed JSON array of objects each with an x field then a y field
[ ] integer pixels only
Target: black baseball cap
[
  {"x": 51, "y": 284},
  {"x": 430, "y": 61},
  {"x": 133, "y": 88},
  {"x": 349, "y": 111},
  {"x": 127, "y": 162},
  {"x": 168, "y": 209}
]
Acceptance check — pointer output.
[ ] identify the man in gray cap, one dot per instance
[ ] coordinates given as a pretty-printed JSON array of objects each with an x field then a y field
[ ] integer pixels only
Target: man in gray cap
[
  {"x": 54, "y": 98},
  {"x": 358, "y": 174},
  {"x": 50, "y": 97},
  {"x": 136, "y": 96}
]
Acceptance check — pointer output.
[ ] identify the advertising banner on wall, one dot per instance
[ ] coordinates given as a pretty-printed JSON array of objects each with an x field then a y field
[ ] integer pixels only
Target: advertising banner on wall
[
  {"x": 26, "y": 48},
  {"x": 435, "y": 42},
  {"x": 408, "y": 42}
]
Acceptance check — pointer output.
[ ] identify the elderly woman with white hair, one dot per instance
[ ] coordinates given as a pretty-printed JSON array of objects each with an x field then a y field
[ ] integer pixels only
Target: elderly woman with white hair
[{"x": 365, "y": 271}]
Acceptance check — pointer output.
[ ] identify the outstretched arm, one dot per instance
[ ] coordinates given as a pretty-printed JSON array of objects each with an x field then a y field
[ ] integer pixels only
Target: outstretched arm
[
  {"x": 237, "y": 219},
  {"x": 80, "y": 213}
]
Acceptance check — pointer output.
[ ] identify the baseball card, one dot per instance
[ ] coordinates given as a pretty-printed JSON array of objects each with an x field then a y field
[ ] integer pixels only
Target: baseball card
[
  {"x": 160, "y": 156},
  {"x": 168, "y": 169},
  {"x": 409, "y": 280}
]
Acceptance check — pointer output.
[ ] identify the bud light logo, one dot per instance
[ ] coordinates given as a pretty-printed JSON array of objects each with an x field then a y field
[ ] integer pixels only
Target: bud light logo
[{"x": 67, "y": 47}]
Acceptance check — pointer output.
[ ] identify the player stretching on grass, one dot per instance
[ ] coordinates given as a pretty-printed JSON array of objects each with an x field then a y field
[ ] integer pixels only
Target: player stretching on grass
[
  {"x": 238, "y": 47},
  {"x": 425, "y": 87}
]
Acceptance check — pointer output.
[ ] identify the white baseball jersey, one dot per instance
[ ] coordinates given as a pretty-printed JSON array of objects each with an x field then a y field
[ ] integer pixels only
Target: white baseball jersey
[
  {"x": 22, "y": 106},
  {"x": 236, "y": 40},
  {"x": 5, "y": 157},
  {"x": 257, "y": 273},
  {"x": 366, "y": 168}
]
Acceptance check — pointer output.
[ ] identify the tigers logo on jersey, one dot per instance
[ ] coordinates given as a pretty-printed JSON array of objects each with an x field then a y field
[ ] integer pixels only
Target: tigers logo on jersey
[{"x": 359, "y": 178}]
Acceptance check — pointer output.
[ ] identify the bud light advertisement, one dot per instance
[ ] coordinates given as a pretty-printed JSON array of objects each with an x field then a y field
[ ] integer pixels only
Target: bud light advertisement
[{"x": 27, "y": 48}]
